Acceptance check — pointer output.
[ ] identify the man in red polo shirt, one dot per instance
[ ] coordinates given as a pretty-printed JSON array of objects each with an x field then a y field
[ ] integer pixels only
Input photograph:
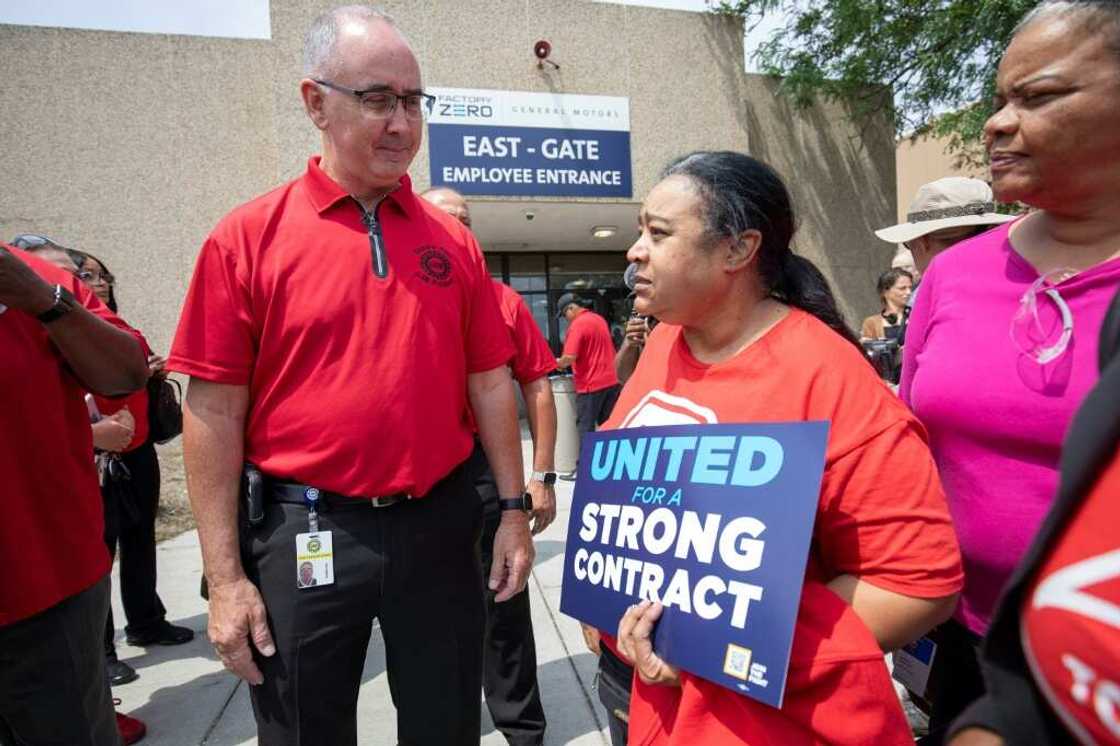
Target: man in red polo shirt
[
  {"x": 58, "y": 341},
  {"x": 589, "y": 351},
  {"x": 336, "y": 332},
  {"x": 509, "y": 672}
]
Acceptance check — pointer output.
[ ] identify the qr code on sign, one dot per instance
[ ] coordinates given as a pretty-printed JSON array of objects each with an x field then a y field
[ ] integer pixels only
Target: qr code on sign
[{"x": 737, "y": 662}]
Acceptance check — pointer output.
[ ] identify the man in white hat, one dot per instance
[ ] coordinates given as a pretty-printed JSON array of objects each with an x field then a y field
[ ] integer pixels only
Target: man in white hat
[{"x": 944, "y": 212}]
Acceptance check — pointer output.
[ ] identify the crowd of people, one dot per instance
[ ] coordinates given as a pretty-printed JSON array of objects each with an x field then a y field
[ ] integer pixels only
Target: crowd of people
[{"x": 338, "y": 476}]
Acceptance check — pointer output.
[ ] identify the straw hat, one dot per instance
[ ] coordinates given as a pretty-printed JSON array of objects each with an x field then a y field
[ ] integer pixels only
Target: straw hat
[{"x": 946, "y": 203}]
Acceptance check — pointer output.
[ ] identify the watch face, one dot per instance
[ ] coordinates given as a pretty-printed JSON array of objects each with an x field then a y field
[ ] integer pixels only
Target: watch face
[
  {"x": 528, "y": 499},
  {"x": 550, "y": 477}
]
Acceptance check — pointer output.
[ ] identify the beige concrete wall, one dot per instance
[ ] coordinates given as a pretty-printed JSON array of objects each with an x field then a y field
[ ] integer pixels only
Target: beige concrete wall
[
  {"x": 922, "y": 161},
  {"x": 132, "y": 145}
]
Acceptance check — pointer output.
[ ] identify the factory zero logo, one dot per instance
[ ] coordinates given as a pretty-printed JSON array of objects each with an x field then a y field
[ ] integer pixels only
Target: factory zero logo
[
  {"x": 435, "y": 266},
  {"x": 464, "y": 107}
]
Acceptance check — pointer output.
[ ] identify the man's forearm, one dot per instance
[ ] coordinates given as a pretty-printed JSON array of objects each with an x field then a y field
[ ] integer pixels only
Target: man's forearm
[
  {"x": 541, "y": 410},
  {"x": 107, "y": 360},
  {"x": 213, "y": 449},
  {"x": 495, "y": 411},
  {"x": 625, "y": 360}
]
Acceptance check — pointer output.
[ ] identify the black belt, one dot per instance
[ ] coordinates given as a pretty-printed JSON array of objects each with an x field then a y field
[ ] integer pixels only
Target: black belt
[{"x": 296, "y": 494}]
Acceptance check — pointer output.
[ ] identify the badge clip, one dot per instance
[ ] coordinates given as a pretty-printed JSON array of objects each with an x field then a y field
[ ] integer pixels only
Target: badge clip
[{"x": 311, "y": 498}]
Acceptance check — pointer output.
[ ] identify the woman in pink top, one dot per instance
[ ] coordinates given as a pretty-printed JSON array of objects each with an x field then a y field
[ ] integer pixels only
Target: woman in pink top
[{"x": 1002, "y": 342}]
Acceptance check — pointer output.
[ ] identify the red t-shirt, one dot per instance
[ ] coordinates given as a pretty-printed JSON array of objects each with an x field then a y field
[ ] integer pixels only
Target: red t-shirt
[
  {"x": 51, "y": 535},
  {"x": 882, "y": 517},
  {"x": 357, "y": 384},
  {"x": 1071, "y": 617},
  {"x": 532, "y": 357},
  {"x": 589, "y": 339},
  {"x": 137, "y": 404}
]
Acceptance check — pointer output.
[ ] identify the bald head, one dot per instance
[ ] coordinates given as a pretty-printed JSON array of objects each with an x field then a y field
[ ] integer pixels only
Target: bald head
[
  {"x": 320, "y": 45},
  {"x": 450, "y": 202}
]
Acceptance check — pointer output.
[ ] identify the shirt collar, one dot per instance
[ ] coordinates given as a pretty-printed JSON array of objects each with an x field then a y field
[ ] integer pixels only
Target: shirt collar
[{"x": 325, "y": 193}]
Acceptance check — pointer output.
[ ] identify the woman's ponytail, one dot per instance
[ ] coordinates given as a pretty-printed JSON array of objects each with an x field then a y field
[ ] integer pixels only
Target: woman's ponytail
[{"x": 802, "y": 285}]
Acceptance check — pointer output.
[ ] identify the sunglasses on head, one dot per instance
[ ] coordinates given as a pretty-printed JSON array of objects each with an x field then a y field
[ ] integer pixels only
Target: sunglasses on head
[{"x": 32, "y": 241}]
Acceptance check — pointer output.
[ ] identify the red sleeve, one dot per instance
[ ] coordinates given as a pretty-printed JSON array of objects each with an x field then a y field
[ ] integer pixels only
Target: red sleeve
[
  {"x": 575, "y": 338},
  {"x": 215, "y": 339},
  {"x": 487, "y": 338},
  {"x": 883, "y": 516},
  {"x": 532, "y": 357}
]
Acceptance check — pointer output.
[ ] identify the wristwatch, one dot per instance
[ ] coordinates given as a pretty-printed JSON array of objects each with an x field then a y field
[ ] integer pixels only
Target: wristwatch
[
  {"x": 63, "y": 304},
  {"x": 544, "y": 477},
  {"x": 523, "y": 503}
]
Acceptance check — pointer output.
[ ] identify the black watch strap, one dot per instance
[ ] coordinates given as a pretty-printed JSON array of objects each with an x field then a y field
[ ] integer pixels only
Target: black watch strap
[
  {"x": 63, "y": 304},
  {"x": 523, "y": 503}
]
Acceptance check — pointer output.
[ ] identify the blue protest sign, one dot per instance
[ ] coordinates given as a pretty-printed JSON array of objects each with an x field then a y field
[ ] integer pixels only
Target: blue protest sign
[
  {"x": 713, "y": 521},
  {"x": 513, "y": 143}
]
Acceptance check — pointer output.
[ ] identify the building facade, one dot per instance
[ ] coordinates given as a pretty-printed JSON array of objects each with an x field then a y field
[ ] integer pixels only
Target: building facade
[{"x": 132, "y": 145}]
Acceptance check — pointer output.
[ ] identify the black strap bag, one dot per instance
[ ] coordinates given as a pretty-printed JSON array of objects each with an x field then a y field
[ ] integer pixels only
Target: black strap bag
[{"x": 165, "y": 409}]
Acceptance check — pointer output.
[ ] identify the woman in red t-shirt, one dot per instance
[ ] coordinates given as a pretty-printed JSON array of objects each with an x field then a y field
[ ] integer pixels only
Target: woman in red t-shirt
[{"x": 751, "y": 333}]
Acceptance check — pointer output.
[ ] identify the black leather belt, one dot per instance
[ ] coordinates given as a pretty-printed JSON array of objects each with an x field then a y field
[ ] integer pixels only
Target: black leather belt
[{"x": 296, "y": 494}]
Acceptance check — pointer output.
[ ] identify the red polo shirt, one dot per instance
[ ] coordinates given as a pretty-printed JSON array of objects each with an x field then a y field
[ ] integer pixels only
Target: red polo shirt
[
  {"x": 589, "y": 339},
  {"x": 532, "y": 357},
  {"x": 358, "y": 384},
  {"x": 51, "y": 534}
]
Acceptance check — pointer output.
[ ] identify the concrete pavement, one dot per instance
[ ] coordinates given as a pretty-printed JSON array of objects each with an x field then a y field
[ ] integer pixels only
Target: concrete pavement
[{"x": 187, "y": 699}]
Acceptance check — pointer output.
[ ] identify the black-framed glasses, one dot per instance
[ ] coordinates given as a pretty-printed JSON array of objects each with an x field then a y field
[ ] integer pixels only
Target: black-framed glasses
[
  {"x": 380, "y": 103},
  {"x": 93, "y": 278}
]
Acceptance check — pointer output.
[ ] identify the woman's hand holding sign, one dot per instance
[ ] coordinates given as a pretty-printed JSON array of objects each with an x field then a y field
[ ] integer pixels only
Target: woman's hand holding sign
[{"x": 635, "y": 642}]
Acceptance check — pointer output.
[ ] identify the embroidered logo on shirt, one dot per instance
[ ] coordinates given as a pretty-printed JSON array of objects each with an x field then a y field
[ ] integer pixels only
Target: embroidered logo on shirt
[{"x": 435, "y": 266}]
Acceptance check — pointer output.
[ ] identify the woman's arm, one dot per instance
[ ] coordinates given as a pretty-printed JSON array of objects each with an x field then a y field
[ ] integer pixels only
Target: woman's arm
[{"x": 893, "y": 618}]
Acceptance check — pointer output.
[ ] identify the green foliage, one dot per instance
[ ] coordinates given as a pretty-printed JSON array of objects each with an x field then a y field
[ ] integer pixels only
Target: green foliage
[{"x": 936, "y": 56}]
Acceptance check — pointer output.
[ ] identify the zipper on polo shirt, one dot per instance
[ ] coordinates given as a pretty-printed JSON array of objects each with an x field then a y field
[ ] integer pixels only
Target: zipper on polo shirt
[{"x": 376, "y": 240}]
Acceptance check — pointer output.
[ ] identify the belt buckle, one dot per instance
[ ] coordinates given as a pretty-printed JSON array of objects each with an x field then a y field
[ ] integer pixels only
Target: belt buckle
[{"x": 387, "y": 500}]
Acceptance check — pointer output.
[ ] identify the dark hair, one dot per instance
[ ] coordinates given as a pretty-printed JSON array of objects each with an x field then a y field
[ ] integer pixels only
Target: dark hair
[
  {"x": 889, "y": 278},
  {"x": 112, "y": 302},
  {"x": 741, "y": 193}
]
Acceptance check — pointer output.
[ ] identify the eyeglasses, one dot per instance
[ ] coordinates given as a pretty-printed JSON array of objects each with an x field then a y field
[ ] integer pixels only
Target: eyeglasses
[
  {"x": 1035, "y": 325},
  {"x": 380, "y": 103},
  {"x": 96, "y": 277}
]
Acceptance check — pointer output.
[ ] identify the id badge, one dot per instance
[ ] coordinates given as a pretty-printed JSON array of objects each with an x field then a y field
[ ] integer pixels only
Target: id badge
[
  {"x": 314, "y": 559},
  {"x": 913, "y": 663}
]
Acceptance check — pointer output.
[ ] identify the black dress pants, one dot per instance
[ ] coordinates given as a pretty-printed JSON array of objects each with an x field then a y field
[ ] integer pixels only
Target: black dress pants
[
  {"x": 509, "y": 668},
  {"x": 594, "y": 408},
  {"x": 130, "y": 523},
  {"x": 415, "y": 567},
  {"x": 53, "y": 687}
]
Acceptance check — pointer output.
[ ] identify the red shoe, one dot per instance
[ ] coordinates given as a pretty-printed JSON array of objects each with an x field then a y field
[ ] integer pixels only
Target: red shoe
[{"x": 131, "y": 729}]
